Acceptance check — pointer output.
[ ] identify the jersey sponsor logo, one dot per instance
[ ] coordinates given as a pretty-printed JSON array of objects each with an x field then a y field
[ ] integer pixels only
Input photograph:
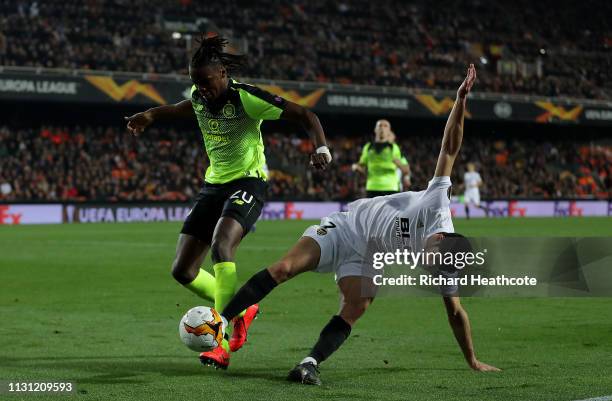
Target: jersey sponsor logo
[
  {"x": 404, "y": 225},
  {"x": 229, "y": 110},
  {"x": 125, "y": 91},
  {"x": 402, "y": 232},
  {"x": 216, "y": 138}
]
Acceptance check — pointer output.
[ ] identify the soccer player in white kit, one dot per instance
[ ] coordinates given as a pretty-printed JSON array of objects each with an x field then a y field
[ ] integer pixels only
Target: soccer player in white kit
[
  {"x": 414, "y": 220},
  {"x": 472, "y": 183}
]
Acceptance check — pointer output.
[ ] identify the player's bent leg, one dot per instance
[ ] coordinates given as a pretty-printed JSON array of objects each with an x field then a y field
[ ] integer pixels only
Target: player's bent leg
[
  {"x": 352, "y": 302},
  {"x": 225, "y": 240},
  {"x": 190, "y": 252},
  {"x": 352, "y": 306},
  {"x": 304, "y": 256}
]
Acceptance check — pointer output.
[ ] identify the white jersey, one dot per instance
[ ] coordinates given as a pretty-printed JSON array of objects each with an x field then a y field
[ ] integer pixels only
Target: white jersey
[
  {"x": 471, "y": 180},
  {"x": 403, "y": 220}
]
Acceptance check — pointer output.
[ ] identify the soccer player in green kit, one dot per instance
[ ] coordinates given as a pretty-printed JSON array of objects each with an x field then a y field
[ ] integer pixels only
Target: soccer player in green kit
[
  {"x": 229, "y": 114},
  {"x": 382, "y": 159}
]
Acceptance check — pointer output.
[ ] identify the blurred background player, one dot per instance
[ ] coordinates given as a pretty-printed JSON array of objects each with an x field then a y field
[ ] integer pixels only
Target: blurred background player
[
  {"x": 472, "y": 183},
  {"x": 380, "y": 161},
  {"x": 229, "y": 114}
]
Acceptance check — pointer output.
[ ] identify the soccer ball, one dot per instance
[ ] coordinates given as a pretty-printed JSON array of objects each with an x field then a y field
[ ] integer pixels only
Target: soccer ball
[{"x": 201, "y": 329}]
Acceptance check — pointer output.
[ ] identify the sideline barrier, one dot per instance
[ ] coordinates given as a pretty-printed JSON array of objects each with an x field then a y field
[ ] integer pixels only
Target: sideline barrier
[{"x": 149, "y": 212}]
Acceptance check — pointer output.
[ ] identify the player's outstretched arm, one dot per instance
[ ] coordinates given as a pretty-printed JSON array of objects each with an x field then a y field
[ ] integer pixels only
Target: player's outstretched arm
[
  {"x": 460, "y": 323},
  {"x": 309, "y": 120},
  {"x": 453, "y": 132},
  {"x": 137, "y": 123}
]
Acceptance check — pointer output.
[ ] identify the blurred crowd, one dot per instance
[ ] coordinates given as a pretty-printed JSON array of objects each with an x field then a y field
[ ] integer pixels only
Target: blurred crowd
[
  {"x": 96, "y": 163},
  {"x": 548, "y": 47}
]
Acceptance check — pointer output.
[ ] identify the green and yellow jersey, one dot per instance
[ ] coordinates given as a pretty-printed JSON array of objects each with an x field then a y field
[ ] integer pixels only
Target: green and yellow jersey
[
  {"x": 382, "y": 172},
  {"x": 231, "y": 131}
]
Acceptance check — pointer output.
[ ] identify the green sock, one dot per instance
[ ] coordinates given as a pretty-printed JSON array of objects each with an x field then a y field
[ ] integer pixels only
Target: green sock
[
  {"x": 203, "y": 285},
  {"x": 225, "y": 346},
  {"x": 226, "y": 280}
]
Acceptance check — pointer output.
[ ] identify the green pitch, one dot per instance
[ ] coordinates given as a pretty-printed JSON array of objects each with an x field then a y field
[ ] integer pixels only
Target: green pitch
[{"x": 95, "y": 304}]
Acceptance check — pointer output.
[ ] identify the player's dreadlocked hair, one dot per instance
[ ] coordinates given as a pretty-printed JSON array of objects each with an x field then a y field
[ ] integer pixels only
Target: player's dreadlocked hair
[{"x": 210, "y": 51}]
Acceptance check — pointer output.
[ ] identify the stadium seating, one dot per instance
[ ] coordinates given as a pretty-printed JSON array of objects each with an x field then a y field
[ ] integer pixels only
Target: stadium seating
[
  {"x": 383, "y": 42},
  {"x": 103, "y": 163}
]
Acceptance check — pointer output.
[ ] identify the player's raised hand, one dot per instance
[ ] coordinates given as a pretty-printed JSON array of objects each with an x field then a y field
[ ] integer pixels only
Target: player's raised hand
[
  {"x": 483, "y": 367},
  {"x": 137, "y": 123},
  {"x": 468, "y": 82},
  {"x": 321, "y": 158}
]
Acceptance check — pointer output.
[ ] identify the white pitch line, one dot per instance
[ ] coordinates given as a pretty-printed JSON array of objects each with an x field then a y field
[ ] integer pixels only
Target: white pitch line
[{"x": 602, "y": 398}]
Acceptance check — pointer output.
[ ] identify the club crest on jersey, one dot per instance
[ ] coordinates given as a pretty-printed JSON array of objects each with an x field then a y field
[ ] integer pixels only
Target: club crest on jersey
[
  {"x": 229, "y": 110},
  {"x": 213, "y": 125}
]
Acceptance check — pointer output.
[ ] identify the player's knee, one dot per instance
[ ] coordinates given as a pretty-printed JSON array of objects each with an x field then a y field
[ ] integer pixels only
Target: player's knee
[
  {"x": 221, "y": 250},
  {"x": 354, "y": 309},
  {"x": 183, "y": 273},
  {"x": 282, "y": 271}
]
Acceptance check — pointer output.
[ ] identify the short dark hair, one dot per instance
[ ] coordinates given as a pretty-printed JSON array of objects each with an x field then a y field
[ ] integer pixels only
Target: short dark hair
[
  {"x": 454, "y": 243},
  {"x": 210, "y": 52}
]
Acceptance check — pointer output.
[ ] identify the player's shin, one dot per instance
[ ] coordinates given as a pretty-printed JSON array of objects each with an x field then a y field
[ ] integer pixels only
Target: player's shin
[
  {"x": 203, "y": 285},
  {"x": 226, "y": 280},
  {"x": 331, "y": 338},
  {"x": 253, "y": 291}
]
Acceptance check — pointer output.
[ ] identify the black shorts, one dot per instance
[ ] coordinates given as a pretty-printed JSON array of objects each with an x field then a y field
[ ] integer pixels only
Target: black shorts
[
  {"x": 374, "y": 194},
  {"x": 242, "y": 200}
]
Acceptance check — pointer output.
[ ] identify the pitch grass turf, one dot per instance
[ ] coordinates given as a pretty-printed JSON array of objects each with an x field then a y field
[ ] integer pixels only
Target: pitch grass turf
[{"x": 95, "y": 304}]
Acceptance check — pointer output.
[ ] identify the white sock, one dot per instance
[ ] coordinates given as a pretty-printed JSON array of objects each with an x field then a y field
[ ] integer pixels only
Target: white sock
[{"x": 309, "y": 359}]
